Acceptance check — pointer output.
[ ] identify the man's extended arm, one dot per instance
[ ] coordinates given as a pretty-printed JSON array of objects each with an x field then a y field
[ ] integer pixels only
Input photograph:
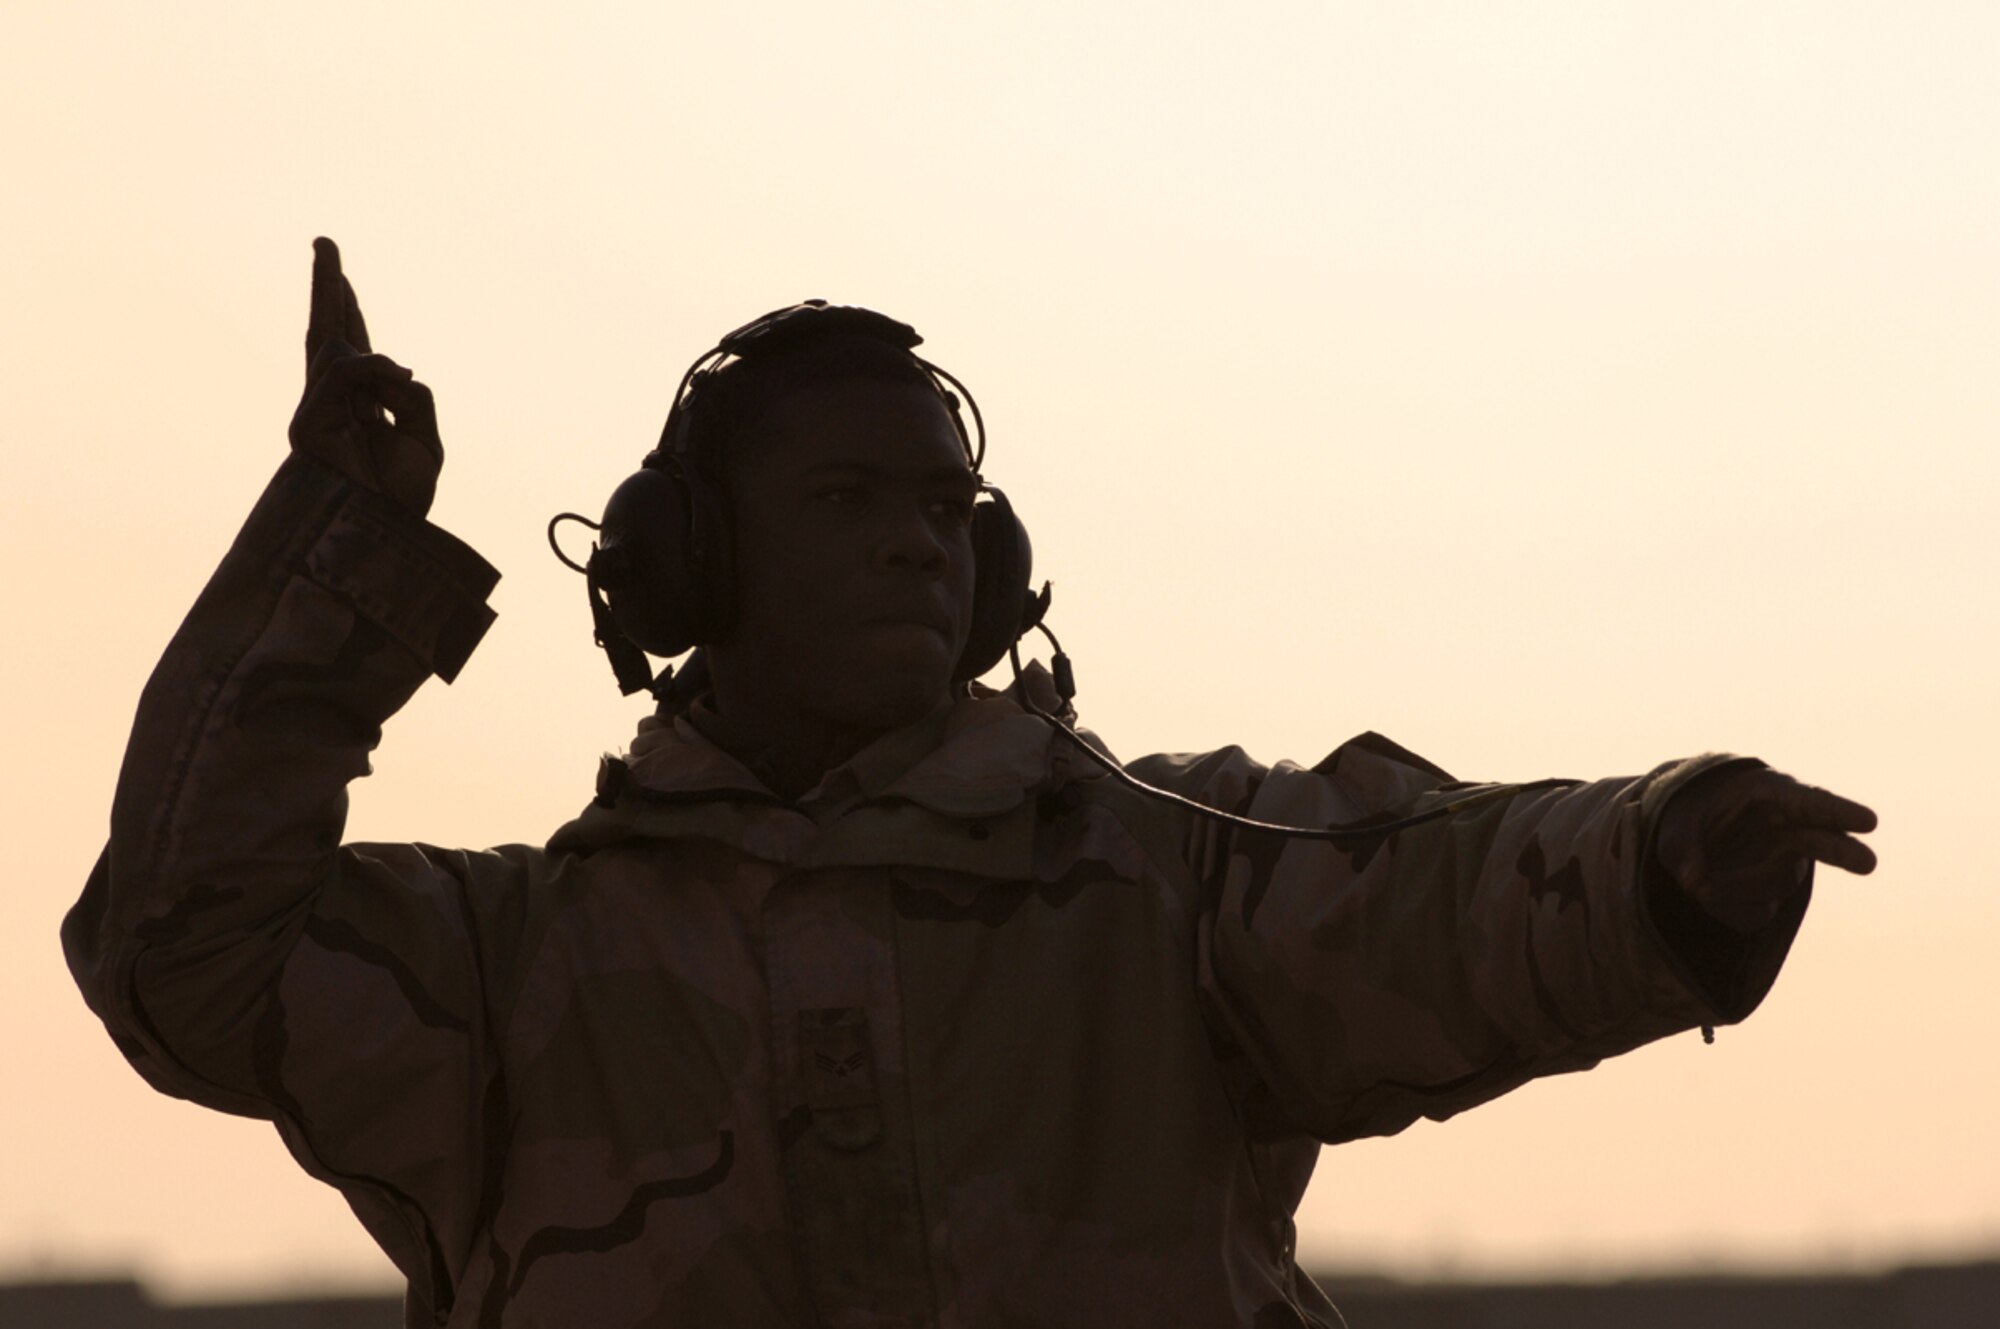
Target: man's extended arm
[{"x": 1419, "y": 972}]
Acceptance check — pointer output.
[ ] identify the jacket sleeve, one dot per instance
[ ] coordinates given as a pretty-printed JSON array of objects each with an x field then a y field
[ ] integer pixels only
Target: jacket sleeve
[
  {"x": 1418, "y": 972},
  {"x": 241, "y": 956}
]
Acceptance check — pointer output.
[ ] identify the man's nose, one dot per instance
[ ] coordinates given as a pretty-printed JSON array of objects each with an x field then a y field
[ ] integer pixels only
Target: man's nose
[{"x": 911, "y": 542}]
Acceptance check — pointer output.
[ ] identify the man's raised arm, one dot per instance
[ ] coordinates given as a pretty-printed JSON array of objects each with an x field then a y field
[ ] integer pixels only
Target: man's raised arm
[{"x": 238, "y": 954}]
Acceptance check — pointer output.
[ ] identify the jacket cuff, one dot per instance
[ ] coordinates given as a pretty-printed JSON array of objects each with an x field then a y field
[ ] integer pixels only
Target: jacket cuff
[
  {"x": 422, "y": 585},
  {"x": 1729, "y": 971}
]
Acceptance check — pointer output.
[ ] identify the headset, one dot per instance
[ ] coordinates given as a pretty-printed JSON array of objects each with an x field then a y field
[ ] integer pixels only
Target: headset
[{"x": 661, "y": 575}]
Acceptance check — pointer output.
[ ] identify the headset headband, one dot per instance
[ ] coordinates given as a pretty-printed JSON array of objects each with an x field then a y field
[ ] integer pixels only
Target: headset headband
[{"x": 800, "y": 325}]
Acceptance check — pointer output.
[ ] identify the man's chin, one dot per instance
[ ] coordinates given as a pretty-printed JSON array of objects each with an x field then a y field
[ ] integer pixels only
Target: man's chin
[{"x": 887, "y": 693}]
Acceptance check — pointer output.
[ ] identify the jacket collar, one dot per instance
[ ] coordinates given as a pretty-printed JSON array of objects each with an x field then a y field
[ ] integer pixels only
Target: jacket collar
[{"x": 977, "y": 756}]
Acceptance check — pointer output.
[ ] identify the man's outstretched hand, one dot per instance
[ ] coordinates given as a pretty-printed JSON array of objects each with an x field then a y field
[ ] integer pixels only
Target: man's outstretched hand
[
  {"x": 362, "y": 413},
  {"x": 1744, "y": 840}
]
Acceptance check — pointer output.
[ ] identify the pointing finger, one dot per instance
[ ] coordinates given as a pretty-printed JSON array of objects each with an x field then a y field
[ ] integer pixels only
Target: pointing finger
[
  {"x": 1821, "y": 807},
  {"x": 1840, "y": 851},
  {"x": 357, "y": 328},
  {"x": 1801, "y": 844},
  {"x": 327, "y": 321}
]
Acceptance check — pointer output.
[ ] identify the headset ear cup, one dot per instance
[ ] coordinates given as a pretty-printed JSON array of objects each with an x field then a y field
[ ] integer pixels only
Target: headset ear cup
[
  {"x": 662, "y": 560},
  {"x": 1003, "y": 562}
]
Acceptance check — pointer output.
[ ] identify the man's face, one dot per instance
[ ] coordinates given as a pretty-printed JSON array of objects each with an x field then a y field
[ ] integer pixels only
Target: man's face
[{"x": 852, "y": 508}]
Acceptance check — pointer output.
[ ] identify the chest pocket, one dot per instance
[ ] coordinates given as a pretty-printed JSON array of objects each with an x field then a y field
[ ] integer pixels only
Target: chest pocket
[{"x": 865, "y": 1250}]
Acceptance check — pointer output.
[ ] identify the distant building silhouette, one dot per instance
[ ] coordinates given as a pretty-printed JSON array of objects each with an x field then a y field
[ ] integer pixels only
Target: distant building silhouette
[
  {"x": 124, "y": 1304},
  {"x": 1962, "y": 1296},
  {"x": 1965, "y": 1296}
]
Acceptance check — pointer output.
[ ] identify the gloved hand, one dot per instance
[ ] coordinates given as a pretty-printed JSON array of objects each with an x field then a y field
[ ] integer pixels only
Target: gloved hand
[
  {"x": 363, "y": 414},
  {"x": 1742, "y": 841}
]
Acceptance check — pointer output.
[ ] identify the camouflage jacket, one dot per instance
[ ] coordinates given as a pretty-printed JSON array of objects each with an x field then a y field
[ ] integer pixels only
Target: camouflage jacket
[{"x": 969, "y": 1035}]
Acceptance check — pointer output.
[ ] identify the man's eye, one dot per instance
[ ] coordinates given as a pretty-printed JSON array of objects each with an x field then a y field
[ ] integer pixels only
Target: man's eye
[
  {"x": 957, "y": 510},
  {"x": 843, "y": 496}
]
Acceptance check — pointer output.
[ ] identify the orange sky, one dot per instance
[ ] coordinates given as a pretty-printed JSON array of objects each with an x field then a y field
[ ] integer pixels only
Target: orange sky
[{"x": 1554, "y": 388}]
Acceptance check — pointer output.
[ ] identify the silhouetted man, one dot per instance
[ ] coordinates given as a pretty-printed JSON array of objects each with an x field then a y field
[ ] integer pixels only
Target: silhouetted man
[{"x": 860, "y": 995}]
